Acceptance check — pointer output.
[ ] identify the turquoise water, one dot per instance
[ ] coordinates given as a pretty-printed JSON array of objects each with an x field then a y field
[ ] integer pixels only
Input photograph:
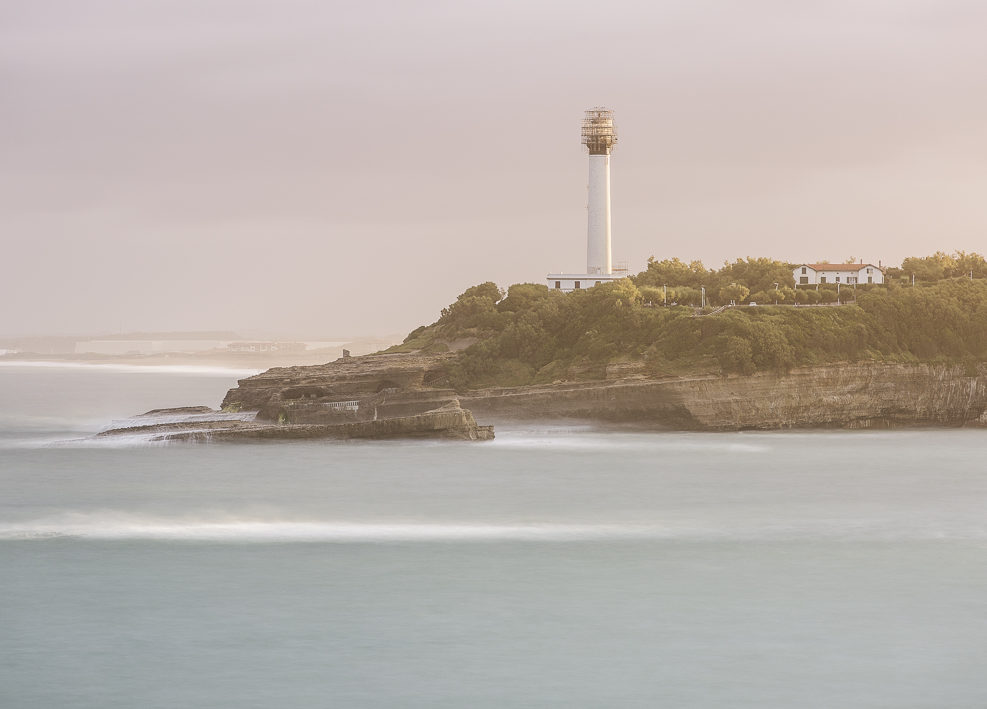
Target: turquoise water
[{"x": 558, "y": 566}]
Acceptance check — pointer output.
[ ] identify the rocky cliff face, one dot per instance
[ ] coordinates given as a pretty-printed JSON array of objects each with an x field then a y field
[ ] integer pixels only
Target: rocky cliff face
[
  {"x": 865, "y": 395},
  {"x": 850, "y": 396}
]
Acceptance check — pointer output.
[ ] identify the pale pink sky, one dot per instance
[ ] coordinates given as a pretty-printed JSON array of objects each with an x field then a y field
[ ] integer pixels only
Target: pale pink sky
[{"x": 324, "y": 167}]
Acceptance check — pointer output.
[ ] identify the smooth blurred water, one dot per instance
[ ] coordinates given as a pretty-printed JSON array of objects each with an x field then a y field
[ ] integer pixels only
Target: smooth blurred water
[{"x": 557, "y": 566}]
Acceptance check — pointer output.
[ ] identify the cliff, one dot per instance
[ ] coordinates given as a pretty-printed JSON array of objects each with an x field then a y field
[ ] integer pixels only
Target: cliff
[
  {"x": 397, "y": 395},
  {"x": 849, "y": 396},
  {"x": 865, "y": 395}
]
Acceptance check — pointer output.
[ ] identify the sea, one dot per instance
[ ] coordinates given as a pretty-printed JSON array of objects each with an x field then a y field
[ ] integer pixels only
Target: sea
[{"x": 560, "y": 565}]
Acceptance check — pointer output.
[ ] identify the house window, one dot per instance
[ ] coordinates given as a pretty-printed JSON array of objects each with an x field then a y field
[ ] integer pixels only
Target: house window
[
  {"x": 803, "y": 269},
  {"x": 558, "y": 284},
  {"x": 804, "y": 280},
  {"x": 869, "y": 270},
  {"x": 597, "y": 283},
  {"x": 837, "y": 280},
  {"x": 822, "y": 279},
  {"x": 577, "y": 284}
]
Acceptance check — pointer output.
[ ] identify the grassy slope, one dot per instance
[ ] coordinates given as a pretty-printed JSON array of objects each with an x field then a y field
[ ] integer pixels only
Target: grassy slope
[{"x": 537, "y": 335}]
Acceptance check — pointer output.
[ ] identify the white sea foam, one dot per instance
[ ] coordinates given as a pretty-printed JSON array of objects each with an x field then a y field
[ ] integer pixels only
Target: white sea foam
[
  {"x": 280, "y": 531},
  {"x": 123, "y": 440},
  {"x": 113, "y": 526}
]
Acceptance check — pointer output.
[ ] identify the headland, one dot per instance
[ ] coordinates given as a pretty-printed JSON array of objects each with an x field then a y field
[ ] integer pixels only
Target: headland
[{"x": 895, "y": 355}]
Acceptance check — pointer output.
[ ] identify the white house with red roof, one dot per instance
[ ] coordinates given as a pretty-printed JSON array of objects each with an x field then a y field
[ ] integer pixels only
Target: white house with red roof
[{"x": 810, "y": 274}]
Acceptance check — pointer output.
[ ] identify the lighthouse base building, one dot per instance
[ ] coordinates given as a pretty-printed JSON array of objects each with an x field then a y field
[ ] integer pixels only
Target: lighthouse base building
[{"x": 568, "y": 282}]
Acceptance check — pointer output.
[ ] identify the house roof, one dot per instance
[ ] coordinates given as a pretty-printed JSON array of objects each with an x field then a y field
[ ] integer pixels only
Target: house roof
[{"x": 840, "y": 266}]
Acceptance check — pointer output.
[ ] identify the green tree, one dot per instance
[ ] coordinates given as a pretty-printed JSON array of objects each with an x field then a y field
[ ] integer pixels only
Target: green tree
[
  {"x": 525, "y": 296},
  {"x": 966, "y": 264},
  {"x": 673, "y": 272},
  {"x": 734, "y": 292},
  {"x": 684, "y": 295},
  {"x": 652, "y": 294},
  {"x": 758, "y": 274},
  {"x": 475, "y": 307},
  {"x": 929, "y": 269},
  {"x": 786, "y": 295}
]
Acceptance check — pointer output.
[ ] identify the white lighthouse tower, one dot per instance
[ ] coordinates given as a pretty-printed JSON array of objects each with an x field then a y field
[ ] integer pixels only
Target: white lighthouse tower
[{"x": 599, "y": 136}]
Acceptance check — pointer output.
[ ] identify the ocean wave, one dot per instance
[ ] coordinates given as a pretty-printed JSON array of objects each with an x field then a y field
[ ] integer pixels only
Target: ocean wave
[
  {"x": 116, "y": 527},
  {"x": 277, "y": 531}
]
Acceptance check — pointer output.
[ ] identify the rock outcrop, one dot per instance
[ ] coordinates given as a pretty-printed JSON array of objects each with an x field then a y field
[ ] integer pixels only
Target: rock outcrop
[
  {"x": 376, "y": 396},
  {"x": 450, "y": 421},
  {"x": 347, "y": 378}
]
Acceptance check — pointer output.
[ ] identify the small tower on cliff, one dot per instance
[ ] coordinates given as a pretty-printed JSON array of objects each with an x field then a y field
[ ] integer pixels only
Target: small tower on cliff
[{"x": 599, "y": 136}]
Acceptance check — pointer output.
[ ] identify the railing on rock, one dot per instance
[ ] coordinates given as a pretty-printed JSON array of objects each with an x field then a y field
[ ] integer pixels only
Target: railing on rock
[
  {"x": 343, "y": 405},
  {"x": 700, "y": 314}
]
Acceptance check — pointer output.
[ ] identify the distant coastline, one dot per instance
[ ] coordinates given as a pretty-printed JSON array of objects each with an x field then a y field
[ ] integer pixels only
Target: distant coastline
[
  {"x": 136, "y": 368},
  {"x": 247, "y": 361},
  {"x": 243, "y": 361}
]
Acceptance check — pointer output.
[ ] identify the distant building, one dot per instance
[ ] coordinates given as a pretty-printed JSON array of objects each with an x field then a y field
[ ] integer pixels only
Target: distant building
[{"x": 810, "y": 274}]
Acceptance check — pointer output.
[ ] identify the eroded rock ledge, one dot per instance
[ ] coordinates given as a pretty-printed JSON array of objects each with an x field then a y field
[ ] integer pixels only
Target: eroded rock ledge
[{"x": 365, "y": 397}]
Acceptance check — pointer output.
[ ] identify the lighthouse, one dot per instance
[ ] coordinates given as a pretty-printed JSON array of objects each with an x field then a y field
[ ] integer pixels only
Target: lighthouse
[{"x": 599, "y": 136}]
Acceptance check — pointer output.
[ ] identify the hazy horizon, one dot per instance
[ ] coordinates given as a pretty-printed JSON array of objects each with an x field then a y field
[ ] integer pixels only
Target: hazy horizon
[{"x": 325, "y": 168}]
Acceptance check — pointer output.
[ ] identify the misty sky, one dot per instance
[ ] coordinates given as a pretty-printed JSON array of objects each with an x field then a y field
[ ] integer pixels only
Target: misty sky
[{"x": 326, "y": 168}]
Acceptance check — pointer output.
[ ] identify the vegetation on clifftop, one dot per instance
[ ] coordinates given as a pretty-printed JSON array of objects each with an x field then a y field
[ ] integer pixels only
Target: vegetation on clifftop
[{"x": 534, "y": 335}]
